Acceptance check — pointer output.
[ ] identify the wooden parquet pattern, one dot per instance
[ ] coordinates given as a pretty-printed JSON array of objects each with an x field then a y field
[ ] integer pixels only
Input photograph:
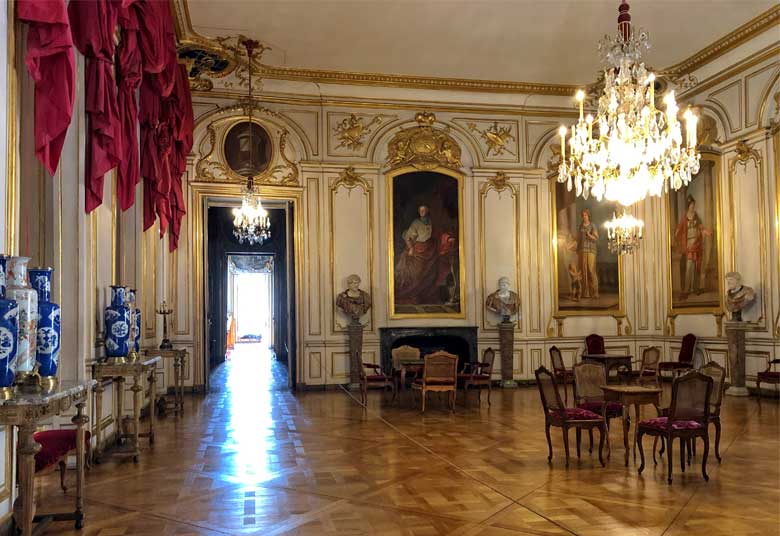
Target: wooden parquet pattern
[{"x": 261, "y": 461}]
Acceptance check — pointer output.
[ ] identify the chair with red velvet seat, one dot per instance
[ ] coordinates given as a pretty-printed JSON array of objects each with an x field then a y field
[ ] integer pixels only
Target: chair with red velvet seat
[
  {"x": 440, "y": 374},
  {"x": 557, "y": 414},
  {"x": 684, "y": 358},
  {"x": 562, "y": 375},
  {"x": 595, "y": 344},
  {"x": 374, "y": 379},
  {"x": 688, "y": 419},
  {"x": 588, "y": 379},
  {"x": 718, "y": 375},
  {"x": 56, "y": 446},
  {"x": 478, "y": 374},
  {"x": 768, "y": 376}
]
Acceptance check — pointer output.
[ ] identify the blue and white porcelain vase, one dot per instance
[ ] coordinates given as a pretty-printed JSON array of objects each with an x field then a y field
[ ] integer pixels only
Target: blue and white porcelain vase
[
  {"x": 117, "y": 324},
  {"x": 19, "y": 290},
  {"x": 137, "y": 330},
  {"x": 9, "y": 332},
  {"x": 47, "y": 349},
  {"x": 3, "y": 261}
]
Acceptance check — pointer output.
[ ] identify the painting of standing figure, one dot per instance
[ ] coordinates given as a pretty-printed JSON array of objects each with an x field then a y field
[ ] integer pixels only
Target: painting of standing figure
[
  {"x": 426, "y": 249},
  {"x": 587, "y": 273},
  {"x": 693, "y": 238}
]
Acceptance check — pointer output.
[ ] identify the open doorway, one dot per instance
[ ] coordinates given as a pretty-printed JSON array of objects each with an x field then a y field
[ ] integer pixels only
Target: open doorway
[{"x": 249, "y": 311}]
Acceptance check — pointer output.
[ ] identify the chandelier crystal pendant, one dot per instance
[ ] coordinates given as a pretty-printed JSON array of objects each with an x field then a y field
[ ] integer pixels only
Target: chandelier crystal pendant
[
  {"x": 624, "y": 233},
  {"x": 251, "y": 224},
  {"x": 630, "y": 149}
]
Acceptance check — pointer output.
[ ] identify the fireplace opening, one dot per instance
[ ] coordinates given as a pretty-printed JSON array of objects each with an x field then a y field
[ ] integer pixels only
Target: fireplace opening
[{"x": 460, "y": 341}]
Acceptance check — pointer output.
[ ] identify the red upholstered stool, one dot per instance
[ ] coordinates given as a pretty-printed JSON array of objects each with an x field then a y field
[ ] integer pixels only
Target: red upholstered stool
[{"x": 56, "y": 445}]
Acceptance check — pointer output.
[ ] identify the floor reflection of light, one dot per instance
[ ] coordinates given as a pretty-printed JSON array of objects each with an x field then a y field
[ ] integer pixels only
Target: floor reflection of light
[{"x": 250, "y": 427}]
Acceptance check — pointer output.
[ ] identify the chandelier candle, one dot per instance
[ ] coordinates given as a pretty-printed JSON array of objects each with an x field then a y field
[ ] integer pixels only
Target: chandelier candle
[{"x": 630, "y": 149}]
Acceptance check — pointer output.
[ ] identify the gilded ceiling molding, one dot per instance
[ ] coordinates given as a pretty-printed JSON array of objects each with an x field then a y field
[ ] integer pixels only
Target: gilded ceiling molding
[
  {"x": 763, "y": 22},
  {"x": 424, "y": 146},
  {"x": 189, "y": 39}
]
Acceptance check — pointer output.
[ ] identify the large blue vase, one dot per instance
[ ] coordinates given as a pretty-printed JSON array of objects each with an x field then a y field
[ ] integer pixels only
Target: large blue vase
[
  {"x": 3, "y": 261},
  {"x": 117, "y": 324},
  {"x": 9, "y": 332},
  {"x": 47, "y": 347}
]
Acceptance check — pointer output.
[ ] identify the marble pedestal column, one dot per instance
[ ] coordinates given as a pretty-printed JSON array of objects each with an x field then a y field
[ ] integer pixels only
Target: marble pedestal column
[
  {"x": 355, "y": 332},
  {"x": 735, "y": 333},
  {"x": 506, "y": 341}
]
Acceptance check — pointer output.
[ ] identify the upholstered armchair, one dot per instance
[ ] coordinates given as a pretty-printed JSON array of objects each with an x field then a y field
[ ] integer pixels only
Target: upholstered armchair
[
  {"x": 372, "y": 377},
  {"x": 440, "y": 374},
  {"x": 684, "y": 358},
  {"x": 688, "y": 418},
  {"x": 595, "y": 344},
  {"x": 648, "y": 369},
  {"x": 768, "y": 376},
  {"x": 557, "y": 414},
  {"x": 56, "y": 446},
  {"x": 588, "y": 379},
  {"x": 478, "y": 375}
]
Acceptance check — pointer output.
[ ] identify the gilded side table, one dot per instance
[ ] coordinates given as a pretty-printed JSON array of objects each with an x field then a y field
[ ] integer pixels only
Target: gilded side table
[
  {"x": 179, "y": 357},
  {"x": 27, "y": 412},
  {"x": 118, "y": 372}
]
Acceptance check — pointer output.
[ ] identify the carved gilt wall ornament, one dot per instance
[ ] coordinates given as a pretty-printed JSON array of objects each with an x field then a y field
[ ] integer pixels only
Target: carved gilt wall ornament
[
  {"x": 499, "y": 183},
  {"x": 350, "y": 179},
  {"x": 496, "y": 138},
  {"x": 352, "y": 131},
  {"x": 745, "y": 152},
  {"x": 204, "y": 63},
  {"x": 424, "y": 146}
]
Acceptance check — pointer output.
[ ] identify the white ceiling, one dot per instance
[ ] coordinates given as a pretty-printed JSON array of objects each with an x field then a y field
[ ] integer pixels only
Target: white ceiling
[{"x": 547, "y": 41}]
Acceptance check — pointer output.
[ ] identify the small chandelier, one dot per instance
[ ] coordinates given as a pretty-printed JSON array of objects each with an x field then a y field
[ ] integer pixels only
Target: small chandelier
[
  {"x": 624, "y": 233},
  {"x": 637, "y": 150},
  {"x": 251, "y": 223}
]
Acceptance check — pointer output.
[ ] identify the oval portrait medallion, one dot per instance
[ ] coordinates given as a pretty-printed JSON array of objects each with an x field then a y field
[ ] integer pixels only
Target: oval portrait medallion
[{"x": 247, "y": 149}]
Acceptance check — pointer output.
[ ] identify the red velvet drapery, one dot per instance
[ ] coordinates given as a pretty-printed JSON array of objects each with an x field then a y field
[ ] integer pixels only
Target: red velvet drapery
[
  {"x": 184, "y": 123},
  {"x": 51, "y": 64},
  {"x": 129, "y": 70},
  {"x": 92, "y": 25}
]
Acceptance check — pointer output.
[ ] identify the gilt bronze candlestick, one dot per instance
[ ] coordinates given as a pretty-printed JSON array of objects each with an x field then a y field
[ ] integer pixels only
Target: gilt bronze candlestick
[{"x": 164, "y": 310}]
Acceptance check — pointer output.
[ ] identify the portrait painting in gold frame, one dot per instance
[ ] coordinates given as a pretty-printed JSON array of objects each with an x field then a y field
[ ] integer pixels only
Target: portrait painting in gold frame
[
  {"x": 694, "y": 249},
  {"x": 587, "y": 275},
  {"x": 426, "y": 265}
]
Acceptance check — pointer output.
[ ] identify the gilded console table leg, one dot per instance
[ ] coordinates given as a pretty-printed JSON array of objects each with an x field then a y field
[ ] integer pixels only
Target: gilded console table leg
[
  {"x": 120, "y": 407},
  {"x": 152, "y": 399},
  {"x": 98, "y": 419},
  {"x": 137, "y": 390},
  {"x": 80, "y": 420},
  {"x": 24, "y": 506}
]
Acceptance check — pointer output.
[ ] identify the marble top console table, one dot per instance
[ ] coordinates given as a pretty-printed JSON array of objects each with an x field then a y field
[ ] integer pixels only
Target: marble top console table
[{"x": 27, "y": 412}]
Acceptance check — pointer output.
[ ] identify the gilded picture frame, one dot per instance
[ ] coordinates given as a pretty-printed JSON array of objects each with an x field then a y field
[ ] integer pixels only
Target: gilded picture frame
[
  {"x": 601, "y": 295},
  {"x": 695, "y": 273},
  {"x": 403, "y": 210}
]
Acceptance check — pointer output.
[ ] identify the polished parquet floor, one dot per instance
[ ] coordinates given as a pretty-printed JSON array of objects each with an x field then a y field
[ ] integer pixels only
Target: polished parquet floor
[{"x": 252, "y": 458}]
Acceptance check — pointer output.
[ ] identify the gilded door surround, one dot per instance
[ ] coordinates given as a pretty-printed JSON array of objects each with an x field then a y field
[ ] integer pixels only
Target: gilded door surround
[{"x": 205, "y": 194}]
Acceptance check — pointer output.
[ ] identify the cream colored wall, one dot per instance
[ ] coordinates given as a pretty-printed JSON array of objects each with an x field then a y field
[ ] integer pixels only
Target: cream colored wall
[{"x": 344, "y": 228}]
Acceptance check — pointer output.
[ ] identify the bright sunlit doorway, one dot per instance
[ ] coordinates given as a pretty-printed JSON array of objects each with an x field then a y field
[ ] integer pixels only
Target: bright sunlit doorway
[{"x": 250, "y": 300}]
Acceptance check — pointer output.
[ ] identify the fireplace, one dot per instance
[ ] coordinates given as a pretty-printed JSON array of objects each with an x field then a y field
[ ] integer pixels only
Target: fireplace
[{"x": 461, "y": 341}]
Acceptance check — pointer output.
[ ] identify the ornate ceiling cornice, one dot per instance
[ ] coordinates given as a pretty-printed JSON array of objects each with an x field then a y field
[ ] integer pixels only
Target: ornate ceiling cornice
[{"x": 189, "y": 39}]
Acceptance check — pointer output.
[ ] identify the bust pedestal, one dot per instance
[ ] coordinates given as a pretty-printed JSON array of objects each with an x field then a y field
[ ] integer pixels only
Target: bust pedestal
[
  {"x": 355, "y": 333},
  {"x": 735, "y": 333},
  {"x": 506, "y": 342}
]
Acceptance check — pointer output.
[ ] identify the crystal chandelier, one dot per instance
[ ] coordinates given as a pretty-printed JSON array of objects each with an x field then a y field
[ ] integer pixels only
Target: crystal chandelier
[
  {"x": 251, "y": 224},
  {"x": 637, "y": 149},
  {"x": 624, "y": 233}
]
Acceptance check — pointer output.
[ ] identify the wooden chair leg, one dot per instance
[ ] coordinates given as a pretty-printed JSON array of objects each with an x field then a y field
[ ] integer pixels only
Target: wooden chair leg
[
  {"x": 669, "y": 462},
  {"x": 602, "y": 433},
  {"x": 549, "y": 442},
  {"x": 642, "y": 451},
  {"x": 706, "y": 439},
  {"x": 590, "y": 438},
  {"x": 683, "y": 447},
  {"x": 566, "y": 443},
  {"x": 655, "y": 442},
  {"x": 62, "y": 476},
  {"x": 422, "y": 394},
  {"x": 490, "y": 388},
  {"x": 717, "y": 439}
]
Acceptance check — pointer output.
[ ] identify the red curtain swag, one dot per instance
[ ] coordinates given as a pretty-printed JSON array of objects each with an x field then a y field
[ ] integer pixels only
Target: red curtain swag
[{"x": 51, "y": 64}]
